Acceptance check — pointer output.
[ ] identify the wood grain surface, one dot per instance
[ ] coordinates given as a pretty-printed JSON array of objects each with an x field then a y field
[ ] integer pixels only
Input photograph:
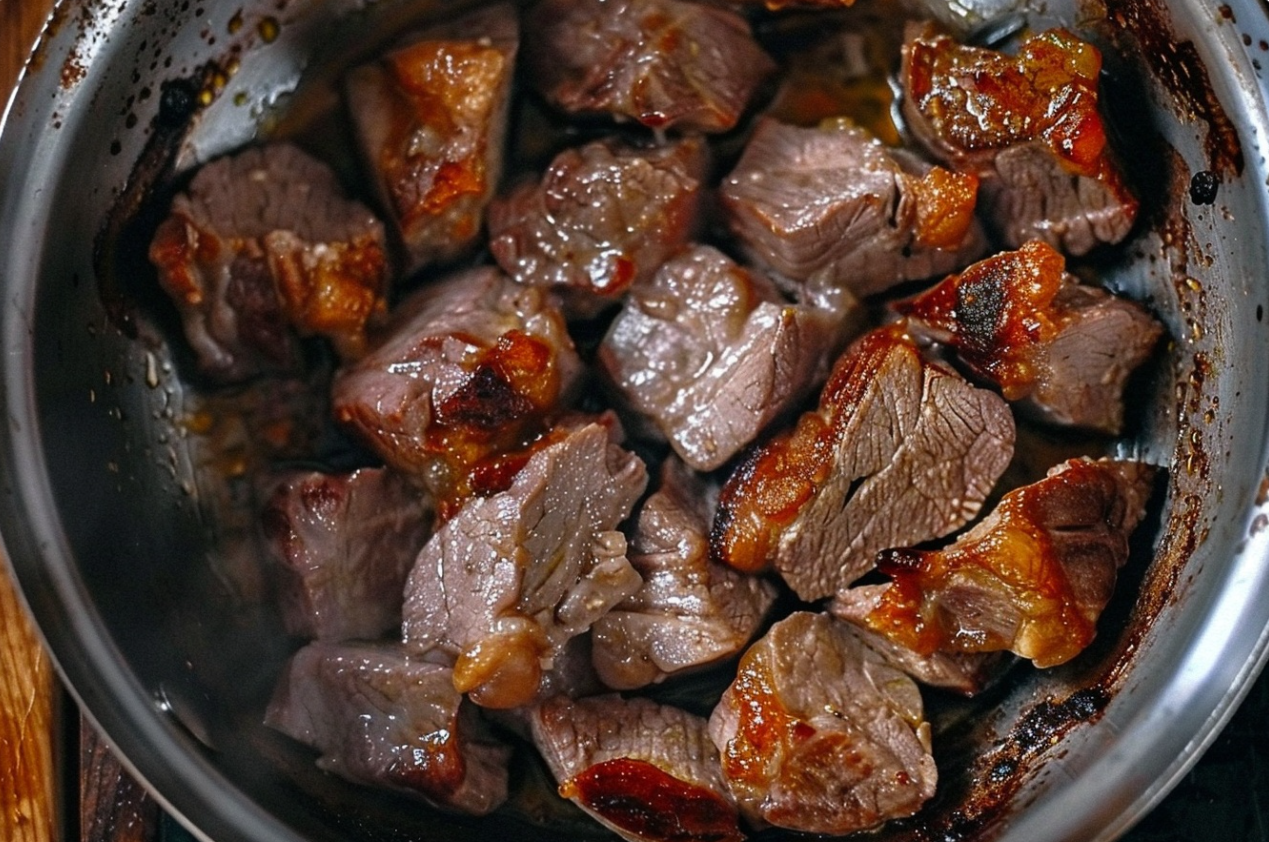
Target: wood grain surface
[
  {"x": 28, "y": 767},
  {"x": 28, "y": 689},
  {"x": 32, "y": 759}
]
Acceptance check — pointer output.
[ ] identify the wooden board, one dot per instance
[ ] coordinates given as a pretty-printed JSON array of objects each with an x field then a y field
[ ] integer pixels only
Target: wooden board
[
  {"x": 28, "y": 811},
  {"x": 34, "y": 755}
]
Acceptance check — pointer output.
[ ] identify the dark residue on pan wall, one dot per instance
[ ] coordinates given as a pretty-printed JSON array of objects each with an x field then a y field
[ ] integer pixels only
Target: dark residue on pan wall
[{"x": 1177, "y": 66}]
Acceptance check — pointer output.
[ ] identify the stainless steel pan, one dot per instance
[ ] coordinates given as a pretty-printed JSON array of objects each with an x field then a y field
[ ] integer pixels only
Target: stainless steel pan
[{"x": 119, "y": 520}]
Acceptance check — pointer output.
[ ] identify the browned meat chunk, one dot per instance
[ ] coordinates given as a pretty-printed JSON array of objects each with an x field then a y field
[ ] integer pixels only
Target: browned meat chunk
[
  {"x": 817, "y": 734},
  {"x": 382, "y": 717},
  {"x": 690, "y": 611},
  {"x": 602, "y": 217},
  {"x": 833, "y": 204},
  {"x": 713, "y": 354},
  {"x": 1028, "y": 126},
  {"x": 1019, "y": 321},
  {"x": 900, "y": 451},
  {"x": 664, "y": 63},
  {"x": 1032, "y": 578},
  {"x": 646, "y": 771},
  {"x": 468, "y": 371},
  {"x": 264, "y": 242},
  {"x": 966, "y": 673},
  {"x": 505, "y": 583},
  {"x": 344, "y": 545},
  {"x": 431, "y": 120}
]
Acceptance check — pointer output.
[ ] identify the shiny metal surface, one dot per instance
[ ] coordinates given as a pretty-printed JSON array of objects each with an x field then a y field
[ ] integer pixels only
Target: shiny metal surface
[{"x": 118, "y": 532}]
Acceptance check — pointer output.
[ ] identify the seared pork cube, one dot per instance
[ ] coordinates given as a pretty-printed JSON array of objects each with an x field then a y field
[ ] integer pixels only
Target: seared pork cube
[
  {"x": 343, "y": 546},
  {"x": 663, "y": 63},
  {"x": 469, "y": 369},
  {"x": 1028, "y": 125},
  {"x": 510, "y": 578},
  {"x": 382, "y": 717},
  {"x": 832, "y": 203},
  {"x": 713, "y": 354},
  {"x": 263, "y": 244},
  {"x": 1063, "y": 349},
  {"x": 690, "y": 611},
  {"x": 901, "y": 450},
  {"x": 602, "y": 216},
  {"x": 1031, "y": 578},
  {"x": 431, "y": 120},
  {"x": 966, "y": 673},
  {"x": 646, "y": 771},
  {"x": 818, "y": 734}
]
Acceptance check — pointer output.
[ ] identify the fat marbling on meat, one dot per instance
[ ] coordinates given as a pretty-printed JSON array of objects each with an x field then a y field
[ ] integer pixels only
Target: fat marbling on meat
[
  {"x": 1028, "y": 125},
  {"x": 900, "y": 450},
  {"x": 603, "y": 216},
  {"x": 646, "y": 771},
  {"x": 431, "y": 121},
  {"x": 263, "y": 243},
  {"x": 343, "y": 545},
  {"x": 1031, "y": 578},
  {"x": 690, "y": 611},
  {"x": 662, "y": 63},
  {"x": 1063, "y": 349},
  {"x": 713, "y": 354},
  {"x": 384, "y": 717},
  {"x": 818, "y": 734},
  {"x": 510, "y": 578},
  {"x": 470, "y": 369},
  {"x": 831, "y": 203}
]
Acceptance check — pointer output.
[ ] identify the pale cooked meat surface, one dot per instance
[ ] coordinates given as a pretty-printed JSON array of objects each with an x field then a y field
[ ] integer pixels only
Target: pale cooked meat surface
[
  {"x": 831, "y": 203},
  {"x": 690, "y": 611},
  {"x": 510, "y": 578},
  {"x": 663, "y": 63},
  {"x": 601, "y": 217},
  {"x": 381, "y": 716},
  {"x": 343, "y": 545},
  {"x": 713, "y": 354}
]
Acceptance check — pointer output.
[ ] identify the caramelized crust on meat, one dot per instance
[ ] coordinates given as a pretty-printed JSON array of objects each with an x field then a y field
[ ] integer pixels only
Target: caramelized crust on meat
[
  {"x": 333, "y": 291},
  {"x": 447, "y": 84},
  {"x": 649, "y": 803},
  {"x": 464, "y": 380},
  {"x": 1029, "y": 125},
  {"x": 647, "y": 771},
  {"x": 264, "y": 243},
  {"x": 431, "y": 121},
  {"x": 1032, "y": 578},
  {"x": 996, "y": 311},
  {"x": 1021, "y": 322},
  {"x": 945, "y": 202},
  {"x": 977, "y": 100},
  {"x": 486, "y": 429}
]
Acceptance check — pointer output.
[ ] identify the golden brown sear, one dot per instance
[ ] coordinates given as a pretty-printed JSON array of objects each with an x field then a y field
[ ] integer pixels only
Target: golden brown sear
[{"x": 1032, "y": 578}]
